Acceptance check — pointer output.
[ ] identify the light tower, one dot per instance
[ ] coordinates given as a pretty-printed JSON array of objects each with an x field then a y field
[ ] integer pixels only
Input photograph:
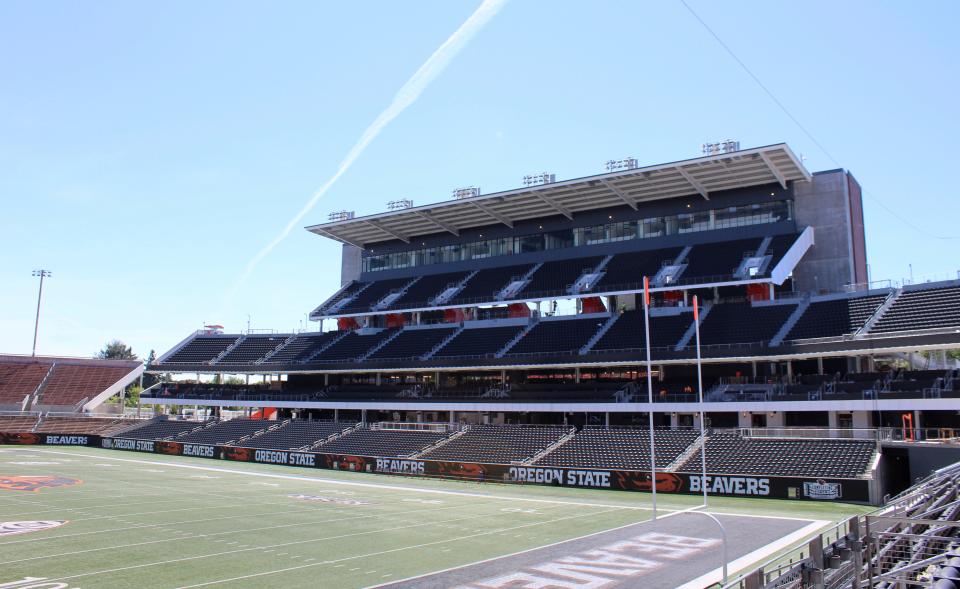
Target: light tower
[{"x": 36, "y": 324}]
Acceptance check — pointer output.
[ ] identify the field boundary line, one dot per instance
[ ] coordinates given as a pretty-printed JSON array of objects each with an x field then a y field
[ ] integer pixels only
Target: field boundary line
[
  {"x": 365, "y": 485},
  {"x": 391, "y": 550},
  {"x": 525, "y": 551}
]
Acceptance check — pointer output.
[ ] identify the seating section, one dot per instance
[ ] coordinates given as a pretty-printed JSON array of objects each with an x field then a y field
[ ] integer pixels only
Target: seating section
[
  {"x": 555, "y": 278},
  {"x": 201, "y": 349},
  {"x": 626, "y": 271},
  {"x": 717, "y": 260},
  {"x": 371, "y": 295},
  {"x": 19, "y": 380},
  {"x": 628, "y": 332},
  {"x": 412, "y": 343},
  {"x": 296, "y": 434},
  {"x": 227, "y": 432},
  {"x": 84, "y": 425},
  {"x": 627, "y": 449},
  {"x": 353, "y": 346},
  {"x": 382, "y": 442},
  {"x": 479, "y": 342},
  {"x": 163, "y": 429},
  {"x": 731, "y": 453},
  {"x": 557, "y": 336},
  {"x": 302, "y": 347},
  {"x": 922, "y": 309},
  {"x": 742, "y": 323},
  {"x": 835, "y": 317},
  {"x": 251, "y": 349},
  {"x": 10, "y": 424},
  {"x": 420, "y": 294},
  {"x": 70, "y": 384},
  {"x": 485, "y": 284},
  {"x": 500, "y": 444},
  {"x": 346, "y": 293}
]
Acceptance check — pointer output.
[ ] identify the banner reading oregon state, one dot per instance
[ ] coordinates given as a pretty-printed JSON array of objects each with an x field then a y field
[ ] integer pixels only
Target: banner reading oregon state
[{"x": 811, "y": 488}]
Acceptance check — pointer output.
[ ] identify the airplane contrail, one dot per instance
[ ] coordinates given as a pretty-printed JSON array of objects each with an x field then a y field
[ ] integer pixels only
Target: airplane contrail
[{"x": 407, "y": 95}]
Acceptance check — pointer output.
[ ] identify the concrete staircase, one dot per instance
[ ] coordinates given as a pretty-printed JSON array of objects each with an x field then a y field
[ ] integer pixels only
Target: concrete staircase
[
  {"x": 791, "y": 321},
  {"x": 691, "y": 331},
  {"x": 563, "y": 440},
  {"x": 279, "y": 347},
  {"x": 394, "y": 295},
  {"x": 600, "y": 333},
  {"x": 879, "y": 313},
  {"x": 229, "y": 349},
  {"x": 451, "y": 291},
  {"x": 443, "y": 343},
  {"x": 377, "y": 347},
  {"x": 515, "y": 286},
  {"x": 322, "y": 349},
  {"x": 533, "y": 323}
]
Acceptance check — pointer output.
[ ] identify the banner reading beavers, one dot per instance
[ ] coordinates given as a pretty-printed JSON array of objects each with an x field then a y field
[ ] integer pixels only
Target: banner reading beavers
[{"x": 811, "y": 488}]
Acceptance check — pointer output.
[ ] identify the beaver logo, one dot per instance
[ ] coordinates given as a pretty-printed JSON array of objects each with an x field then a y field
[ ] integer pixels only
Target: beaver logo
[
  {"x": 172, "y": 448},
  {"x": 35, "y": 483},
  {"x": 238, "y": 454},
  {"x": 640, "y": 481},
  {"x": 21, "y": 439}
]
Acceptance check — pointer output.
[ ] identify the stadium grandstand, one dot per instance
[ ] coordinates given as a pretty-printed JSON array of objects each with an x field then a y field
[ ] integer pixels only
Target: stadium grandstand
[{"x": 509, "y": 329}]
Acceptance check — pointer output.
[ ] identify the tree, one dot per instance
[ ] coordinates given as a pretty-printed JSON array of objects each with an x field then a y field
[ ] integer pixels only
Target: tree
[
  {"x": 150, "y": 379},
  {"x": 116, "y": 350}
]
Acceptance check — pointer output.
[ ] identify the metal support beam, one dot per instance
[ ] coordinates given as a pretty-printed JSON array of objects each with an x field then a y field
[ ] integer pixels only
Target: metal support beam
[
  {"x": 773, "y": 170},
  {"x": 378, "y": 225},
  {"x": 438, "y": 222},
  {"x": 696, "y": 185},
  {"x": 498, "y": 216},
  {"x": 620, "y": 194},
  {"x": 563, "y": 211}
]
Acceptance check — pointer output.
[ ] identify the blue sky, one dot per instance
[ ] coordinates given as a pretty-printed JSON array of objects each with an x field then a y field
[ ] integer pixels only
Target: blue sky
[{"x": 149, "y": 150}]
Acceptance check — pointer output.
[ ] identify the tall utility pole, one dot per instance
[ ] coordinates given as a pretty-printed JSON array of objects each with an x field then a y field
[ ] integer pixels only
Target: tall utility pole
[{"x": 36, "y": 324}]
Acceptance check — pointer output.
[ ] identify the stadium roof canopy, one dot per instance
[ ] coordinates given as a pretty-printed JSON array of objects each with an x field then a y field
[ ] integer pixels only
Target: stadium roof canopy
[{"x": 703, "y": 176}]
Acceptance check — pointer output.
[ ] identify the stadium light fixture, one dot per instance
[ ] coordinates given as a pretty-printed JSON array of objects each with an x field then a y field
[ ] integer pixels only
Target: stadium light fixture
[
  {"x": 466, "y": 192},
  {"x": 627, "y": 163},
  {"x": 716, "y": 148},
  {"x": 341, "y": 215},
  {"x": 539, "y": 179},
  {"x": 399, "y": 205},
  {"x": 36, "y": 324}
]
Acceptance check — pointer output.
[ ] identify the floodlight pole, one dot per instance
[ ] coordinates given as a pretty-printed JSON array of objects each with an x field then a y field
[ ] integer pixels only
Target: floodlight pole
[
  {"x": 653, "y": 453},
  {"x": 36, "y": 324},
  {"x": 703, "y": 437}
]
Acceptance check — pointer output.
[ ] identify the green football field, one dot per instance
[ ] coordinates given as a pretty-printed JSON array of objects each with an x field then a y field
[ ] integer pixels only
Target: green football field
[{"x": 122, "y": 520}]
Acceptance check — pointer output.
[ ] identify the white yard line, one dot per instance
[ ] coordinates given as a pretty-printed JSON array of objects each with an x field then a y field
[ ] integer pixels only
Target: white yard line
[
  {"x": 215, "y": 534},
  {"x": 363, "y": 485},
  {"x": 382, "y": 552},
  {"x": 295, "y": 543},
  {"x": 470, "y": 564},
  {"x": 716, "y": 575}
]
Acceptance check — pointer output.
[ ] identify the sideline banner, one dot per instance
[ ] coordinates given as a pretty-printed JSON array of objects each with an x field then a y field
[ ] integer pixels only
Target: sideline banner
[{"x": 813, "y": 489}]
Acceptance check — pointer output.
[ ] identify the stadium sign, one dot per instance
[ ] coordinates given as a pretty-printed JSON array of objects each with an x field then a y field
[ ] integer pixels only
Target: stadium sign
[
  {"x": 623, "y": 480},
  {"x": 822, "y": 490},
  {"x": 54, "y": 440},
  {"x": 283, "y": 457},
  {"x": 392, "y": 466},
  {"x": 727, "y": 485}
]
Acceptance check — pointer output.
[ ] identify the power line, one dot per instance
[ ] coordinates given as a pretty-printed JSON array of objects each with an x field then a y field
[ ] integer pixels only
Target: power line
[{"x": 799, "y": 125}]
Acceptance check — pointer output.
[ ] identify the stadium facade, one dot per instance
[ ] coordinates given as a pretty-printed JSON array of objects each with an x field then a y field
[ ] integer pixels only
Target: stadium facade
[{"x": 449, "y": 311}]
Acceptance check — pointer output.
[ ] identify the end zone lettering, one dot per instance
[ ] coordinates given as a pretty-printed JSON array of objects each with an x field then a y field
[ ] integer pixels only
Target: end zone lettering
[
  {"x": 200, "y": 450},
  {"x": 66, "y": 440},
  {"x": 731, "y": 485},
  {"x": 559, "y": 476},
  {"x": 278, "y": 457},
  {"x": 400, "y": 466}
]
